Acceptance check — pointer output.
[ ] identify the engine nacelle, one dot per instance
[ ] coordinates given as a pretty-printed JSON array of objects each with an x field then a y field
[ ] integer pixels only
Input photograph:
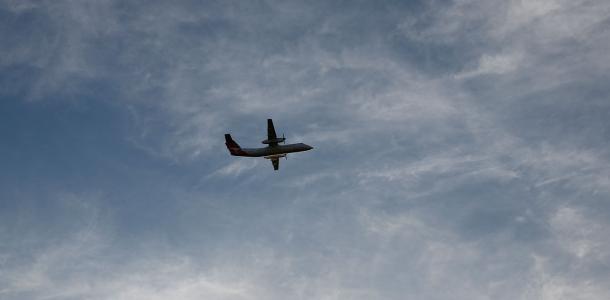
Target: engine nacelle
[
  {"x": 275, "y": 156},
  {"x": 276, "y": 140}
]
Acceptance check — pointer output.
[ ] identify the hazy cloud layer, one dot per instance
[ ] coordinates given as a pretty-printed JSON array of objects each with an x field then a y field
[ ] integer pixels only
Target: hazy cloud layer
[{"x": 461, "y": 150}]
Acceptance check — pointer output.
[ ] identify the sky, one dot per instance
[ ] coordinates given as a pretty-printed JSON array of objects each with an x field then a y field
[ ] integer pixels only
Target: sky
[{"x": 461, "y": 149}]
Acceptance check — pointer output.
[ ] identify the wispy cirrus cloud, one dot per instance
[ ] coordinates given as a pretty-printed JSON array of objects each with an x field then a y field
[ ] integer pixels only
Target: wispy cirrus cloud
[{"x": 460, "y": 150}]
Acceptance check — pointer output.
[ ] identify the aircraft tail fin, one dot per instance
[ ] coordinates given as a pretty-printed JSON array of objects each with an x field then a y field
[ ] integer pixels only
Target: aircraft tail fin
[{"x": 233, "y": 146}]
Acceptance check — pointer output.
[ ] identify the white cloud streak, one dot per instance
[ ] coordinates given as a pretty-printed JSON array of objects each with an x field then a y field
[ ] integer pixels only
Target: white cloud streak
[{"x": 386, "y": 215}]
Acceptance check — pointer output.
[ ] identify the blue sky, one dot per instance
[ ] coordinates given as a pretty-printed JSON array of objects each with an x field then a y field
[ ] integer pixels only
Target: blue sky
[{"x": 461, "y": 149}]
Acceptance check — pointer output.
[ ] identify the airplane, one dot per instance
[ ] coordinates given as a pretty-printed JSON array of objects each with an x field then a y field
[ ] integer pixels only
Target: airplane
[{"x": 274, "y": 151}]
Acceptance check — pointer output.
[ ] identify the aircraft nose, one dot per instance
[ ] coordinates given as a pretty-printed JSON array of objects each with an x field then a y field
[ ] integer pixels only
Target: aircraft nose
[{"x": 309, "y": 147}]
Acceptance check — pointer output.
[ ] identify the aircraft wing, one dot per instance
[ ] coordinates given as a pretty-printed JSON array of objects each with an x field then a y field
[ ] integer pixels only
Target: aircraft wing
[
  {"x": 272, "y": 139},
  {"x": 276, "y": 163},
  {"x": 271, "y": 136}
]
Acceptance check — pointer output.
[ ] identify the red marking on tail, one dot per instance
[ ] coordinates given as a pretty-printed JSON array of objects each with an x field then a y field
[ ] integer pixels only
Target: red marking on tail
[{"x": 233, "y": 147}]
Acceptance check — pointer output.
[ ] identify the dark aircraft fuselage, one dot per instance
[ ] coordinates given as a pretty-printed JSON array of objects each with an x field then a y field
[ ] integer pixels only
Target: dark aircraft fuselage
[{"x": 271, "y": 150}]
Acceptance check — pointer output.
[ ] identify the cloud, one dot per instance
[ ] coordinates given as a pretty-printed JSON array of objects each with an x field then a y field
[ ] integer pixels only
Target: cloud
[
  {"x": 97, "y": 278},
  {"x": 237, "y": 167},
  {"x": 460, "y": 150},
  {"x": 86, "y": 263},
  {"x": 498, "y": 65}
]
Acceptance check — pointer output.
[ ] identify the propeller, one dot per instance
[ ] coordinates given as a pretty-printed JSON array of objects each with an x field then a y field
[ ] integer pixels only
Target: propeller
[{"x": 283, "y": 138}]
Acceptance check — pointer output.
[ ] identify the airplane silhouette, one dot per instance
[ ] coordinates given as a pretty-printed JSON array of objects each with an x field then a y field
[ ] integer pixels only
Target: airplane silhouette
[{"x": 274, "y": 151}]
